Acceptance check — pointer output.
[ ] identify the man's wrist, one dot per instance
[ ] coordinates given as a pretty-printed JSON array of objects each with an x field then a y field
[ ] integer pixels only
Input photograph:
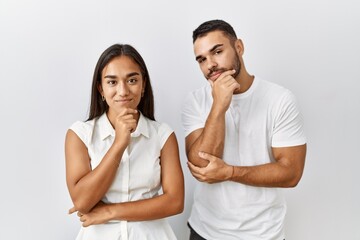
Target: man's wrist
[
  {"x": 231, "y": 173},
  {"x": 217, "y": 112}
]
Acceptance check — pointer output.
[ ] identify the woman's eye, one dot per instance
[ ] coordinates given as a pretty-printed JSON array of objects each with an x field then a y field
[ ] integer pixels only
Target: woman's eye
[
  {"x": 111, "y": 82},
  {"x": 132, "y": 81},
  {"x": 218, "y": 52}
]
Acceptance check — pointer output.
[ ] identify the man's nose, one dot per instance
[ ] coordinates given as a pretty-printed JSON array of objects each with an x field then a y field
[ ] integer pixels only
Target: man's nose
[{"x": 211, "y": 64}]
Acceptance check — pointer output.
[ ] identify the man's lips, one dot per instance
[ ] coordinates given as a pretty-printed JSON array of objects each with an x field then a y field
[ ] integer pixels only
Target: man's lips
[{"x": 213, "y": 76}]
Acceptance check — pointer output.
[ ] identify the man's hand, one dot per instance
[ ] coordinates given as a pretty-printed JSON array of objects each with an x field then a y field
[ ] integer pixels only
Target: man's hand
[
  {"x": 216, "y": 171},
  {"x": 223, "y": 88}
]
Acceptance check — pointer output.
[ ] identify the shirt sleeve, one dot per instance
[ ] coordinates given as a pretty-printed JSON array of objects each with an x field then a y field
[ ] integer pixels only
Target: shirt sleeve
[
  {"x": 191, "y": 116},
  {"x": 288, "y": 129},
  {"x": 164, "y": 133},
  {"x": 81, "y": 131}
]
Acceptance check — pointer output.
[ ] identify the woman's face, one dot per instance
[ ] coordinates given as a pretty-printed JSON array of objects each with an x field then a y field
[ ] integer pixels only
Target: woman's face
[{"x": 122, "y": 84}]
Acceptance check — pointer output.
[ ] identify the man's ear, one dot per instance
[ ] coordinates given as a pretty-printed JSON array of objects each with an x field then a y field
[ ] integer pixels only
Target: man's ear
[{"x": 239, "y": 46}]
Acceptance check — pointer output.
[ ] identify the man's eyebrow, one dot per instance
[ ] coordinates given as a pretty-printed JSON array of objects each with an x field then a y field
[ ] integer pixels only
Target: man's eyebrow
[
  {"x": 212, "y": 49},
  {"x": 215, "y": 47}
]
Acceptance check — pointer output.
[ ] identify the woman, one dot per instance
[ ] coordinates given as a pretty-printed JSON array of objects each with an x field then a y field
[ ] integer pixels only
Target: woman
[{"x": 119, "y": 159}]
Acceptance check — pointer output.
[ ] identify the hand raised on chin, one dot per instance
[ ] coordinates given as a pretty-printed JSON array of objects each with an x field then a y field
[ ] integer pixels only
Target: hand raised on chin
[
  {"x": 125, "y": 123},
  {"x": 223, "y": 88}
]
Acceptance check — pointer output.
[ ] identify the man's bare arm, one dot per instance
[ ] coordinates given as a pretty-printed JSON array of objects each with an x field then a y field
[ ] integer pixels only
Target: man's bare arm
[
  {"x": 208, "y": 139},
  {"x": 211, "y": 138},
  {"x": 285, "y": 172}
]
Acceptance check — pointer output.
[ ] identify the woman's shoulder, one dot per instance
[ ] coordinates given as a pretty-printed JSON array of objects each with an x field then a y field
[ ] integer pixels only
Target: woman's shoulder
[
  {"x": 83, "y": 125},
  {"x": 159, "y": 130},
  {"x": 83, "y": 129},
  {"x": 158, "y": 126}
]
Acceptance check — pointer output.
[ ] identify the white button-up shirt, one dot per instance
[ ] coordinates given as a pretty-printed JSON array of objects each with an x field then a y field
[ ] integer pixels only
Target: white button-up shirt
[{"x": 138, "y": 176}]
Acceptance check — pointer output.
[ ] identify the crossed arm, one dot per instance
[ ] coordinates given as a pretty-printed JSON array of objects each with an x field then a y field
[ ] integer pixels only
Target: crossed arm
[
  {"x": 286, "y": 171},
  {"x": 205, "y": 146},
  {"x": 87, "y": 187}
]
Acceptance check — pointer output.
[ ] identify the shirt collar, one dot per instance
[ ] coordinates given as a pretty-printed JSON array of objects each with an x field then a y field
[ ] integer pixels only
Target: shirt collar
[
  {"x": 105, "y": 127},
  {"x": 107, "y": 130},
  {"x": 142, "y": 127}
]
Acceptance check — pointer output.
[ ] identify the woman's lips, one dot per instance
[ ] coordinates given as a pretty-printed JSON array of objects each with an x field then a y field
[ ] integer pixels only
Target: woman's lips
[{"x": 123, "y": 100}]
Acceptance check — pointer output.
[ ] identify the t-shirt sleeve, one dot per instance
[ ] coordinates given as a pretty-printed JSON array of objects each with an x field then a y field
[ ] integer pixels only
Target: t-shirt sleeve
[
  {"x": 81, "y": 131},
  {"x": 288, "y": 129},
  {"x": 164, "y": 132},
  {"x": 191, "y": 115}
]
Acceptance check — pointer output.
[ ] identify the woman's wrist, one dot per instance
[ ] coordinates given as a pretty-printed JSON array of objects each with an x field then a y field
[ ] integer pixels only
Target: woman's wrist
[{"x": 112, "y": 211}]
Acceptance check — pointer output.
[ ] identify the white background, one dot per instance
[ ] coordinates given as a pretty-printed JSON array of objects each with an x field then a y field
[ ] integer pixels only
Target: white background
[{"x": 48, "y": 51}]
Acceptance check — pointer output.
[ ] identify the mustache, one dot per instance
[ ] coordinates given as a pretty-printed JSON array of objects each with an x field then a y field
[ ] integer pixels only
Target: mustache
[{"x": 216, "y": 70}]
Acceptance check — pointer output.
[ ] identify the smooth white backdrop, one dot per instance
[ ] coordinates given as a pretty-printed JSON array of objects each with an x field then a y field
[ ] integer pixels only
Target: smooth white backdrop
[{"x": 48, "y": 51}]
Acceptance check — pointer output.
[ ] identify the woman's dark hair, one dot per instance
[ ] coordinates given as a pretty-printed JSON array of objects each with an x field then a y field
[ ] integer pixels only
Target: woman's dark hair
[
  {"x": 214, "y": 25},
  {"x": 97, "y": 105}
]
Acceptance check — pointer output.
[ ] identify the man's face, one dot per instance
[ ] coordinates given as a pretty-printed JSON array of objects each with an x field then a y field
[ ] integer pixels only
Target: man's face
[{"x": 215, "y": 54}]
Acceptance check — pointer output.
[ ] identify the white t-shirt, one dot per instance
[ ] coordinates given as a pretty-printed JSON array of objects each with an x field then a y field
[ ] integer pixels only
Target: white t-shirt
[
  {"x": 265, "y": 116},
  {"x": 138, "y": 176}
]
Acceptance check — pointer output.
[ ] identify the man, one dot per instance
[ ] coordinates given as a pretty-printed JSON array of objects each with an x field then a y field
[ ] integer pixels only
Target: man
[{"x": 244, "y": 141}]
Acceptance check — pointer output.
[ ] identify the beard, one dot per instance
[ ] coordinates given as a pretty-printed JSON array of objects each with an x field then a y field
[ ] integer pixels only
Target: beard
[{"x": 236, "y": 65}]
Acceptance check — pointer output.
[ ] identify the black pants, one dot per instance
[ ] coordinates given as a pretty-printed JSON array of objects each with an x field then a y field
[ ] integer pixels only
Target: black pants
[{"x": 194, "y": 235}]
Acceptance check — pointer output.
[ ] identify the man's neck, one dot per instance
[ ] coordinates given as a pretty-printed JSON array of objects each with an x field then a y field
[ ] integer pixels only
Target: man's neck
[{"x": 245, "y": 82}]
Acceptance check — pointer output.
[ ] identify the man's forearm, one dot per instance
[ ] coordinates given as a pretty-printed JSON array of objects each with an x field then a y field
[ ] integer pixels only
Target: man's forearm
[{"x": 211, "y": 139}]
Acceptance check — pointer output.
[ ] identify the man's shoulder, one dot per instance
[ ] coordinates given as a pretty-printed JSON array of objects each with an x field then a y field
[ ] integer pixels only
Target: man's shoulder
[
  {"x": 270, "y": 84},
  {"x": 199, "y": 94},
  {"x": 272, "y": 88},
  {"x": 201, "y": 90}
]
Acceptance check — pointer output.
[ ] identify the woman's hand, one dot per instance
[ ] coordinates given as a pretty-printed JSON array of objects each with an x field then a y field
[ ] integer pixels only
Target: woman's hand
[
  {"x": 98, "y": 215},
  {"x": 125, "y": 124}
]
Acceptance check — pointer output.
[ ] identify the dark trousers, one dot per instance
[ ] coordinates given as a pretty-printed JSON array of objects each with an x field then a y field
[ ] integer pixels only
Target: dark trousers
[{"x": 194, "y": 235}]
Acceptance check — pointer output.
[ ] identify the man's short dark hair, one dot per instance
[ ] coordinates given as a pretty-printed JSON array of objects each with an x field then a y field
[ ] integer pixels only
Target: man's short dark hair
[{"x": 214, "y": 25}]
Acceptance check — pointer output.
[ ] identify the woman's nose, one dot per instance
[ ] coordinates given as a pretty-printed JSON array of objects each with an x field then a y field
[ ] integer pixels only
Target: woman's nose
[{"x": 122, "y": 89}]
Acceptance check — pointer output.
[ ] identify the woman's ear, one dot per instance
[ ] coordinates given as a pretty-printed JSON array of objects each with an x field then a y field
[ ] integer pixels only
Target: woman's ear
[
  {"x": 142, "y": 92},
  {"x": 99, "y": 87},
  {"x": 143, "y": 88},
  {"x": 101, "y": 91}
]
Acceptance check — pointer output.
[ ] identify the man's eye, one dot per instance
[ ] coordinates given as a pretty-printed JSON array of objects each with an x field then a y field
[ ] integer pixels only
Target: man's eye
[
  {"x": 218, "y": 52},
  {"x": 200, "y": 60}
]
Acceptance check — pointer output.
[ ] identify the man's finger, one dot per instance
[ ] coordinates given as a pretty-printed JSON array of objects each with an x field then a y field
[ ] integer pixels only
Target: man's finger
[
  {"x": 72, "y": 210},
  {"x": 193, "y": 168},
  {"x": 207, "y": 156},
  {"x": 227, "y": 73},
  {"x": 211, "y": 83}
]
